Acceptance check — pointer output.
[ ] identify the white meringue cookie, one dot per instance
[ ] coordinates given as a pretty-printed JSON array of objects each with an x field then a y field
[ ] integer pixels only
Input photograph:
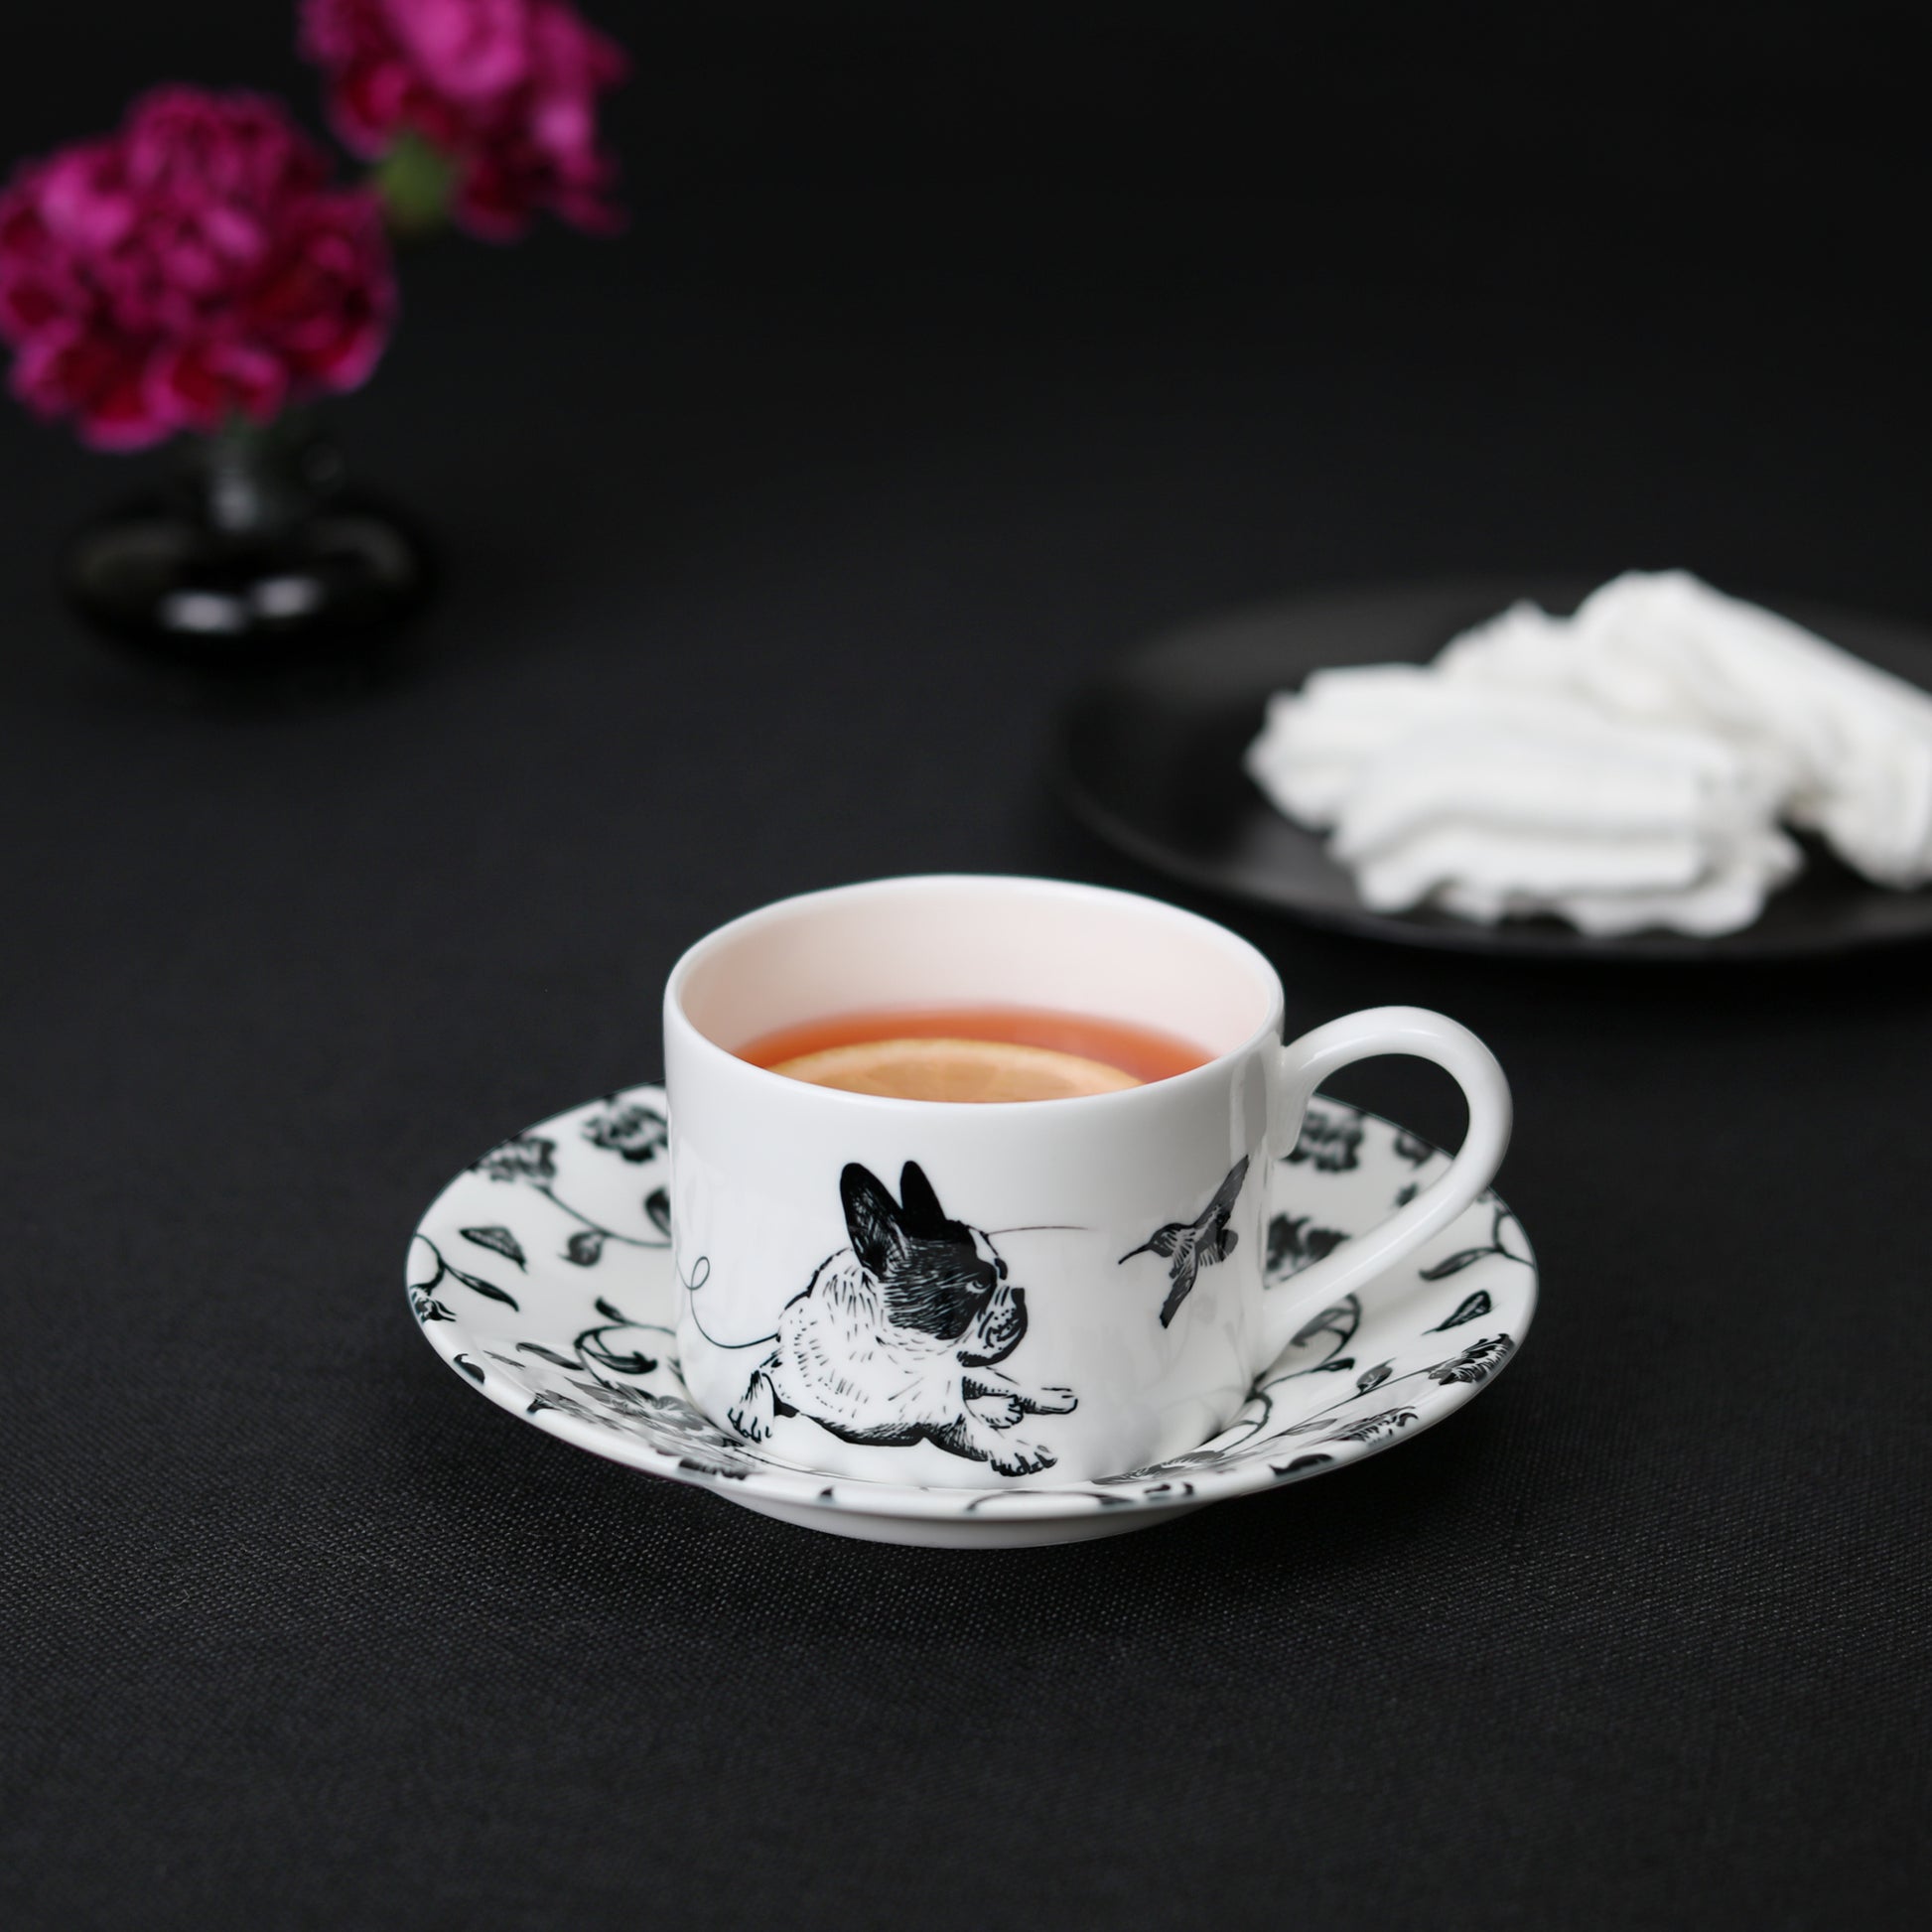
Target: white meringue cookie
[{"x": 1623, "y": 768}]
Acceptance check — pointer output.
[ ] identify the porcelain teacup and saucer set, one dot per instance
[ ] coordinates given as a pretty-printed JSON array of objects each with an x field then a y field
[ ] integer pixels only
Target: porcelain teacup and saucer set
[{"x": 985, "y": 1322}]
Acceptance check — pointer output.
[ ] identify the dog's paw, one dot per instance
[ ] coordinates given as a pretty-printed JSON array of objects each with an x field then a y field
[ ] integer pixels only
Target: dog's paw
[
  {"x": 749, "y": 1424},
  {"x": 1053, "y": 1402},
  {"x": 1023, "y": 1460},
  {"x": 999, "y": 1411}
]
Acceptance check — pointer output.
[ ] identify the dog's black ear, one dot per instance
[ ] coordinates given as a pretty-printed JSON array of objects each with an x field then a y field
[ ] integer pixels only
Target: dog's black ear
[
  {"x": 871, "y": 1218},
  {"x": 922, "y": 1210}
]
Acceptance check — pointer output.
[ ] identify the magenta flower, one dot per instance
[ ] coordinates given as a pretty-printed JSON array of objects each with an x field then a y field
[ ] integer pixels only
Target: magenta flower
[
  {"x": 504, "y": 91},
  {"x": 193, "y": 267}
]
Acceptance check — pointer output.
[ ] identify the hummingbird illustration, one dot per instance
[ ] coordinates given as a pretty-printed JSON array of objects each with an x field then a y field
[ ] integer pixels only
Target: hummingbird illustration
[{"x": 1196, "y": 1244}]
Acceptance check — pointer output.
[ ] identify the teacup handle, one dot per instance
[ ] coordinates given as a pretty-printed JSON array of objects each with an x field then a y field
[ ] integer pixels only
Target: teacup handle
[{"x": 1305, "y": 1063}]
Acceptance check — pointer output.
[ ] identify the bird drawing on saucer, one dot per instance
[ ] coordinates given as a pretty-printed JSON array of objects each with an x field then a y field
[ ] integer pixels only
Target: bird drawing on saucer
[{"x": 1193, "y": 1245}]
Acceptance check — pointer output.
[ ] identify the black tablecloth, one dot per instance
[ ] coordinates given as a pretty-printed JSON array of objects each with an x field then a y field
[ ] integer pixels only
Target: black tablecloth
[{"x": 775, "y": 535}]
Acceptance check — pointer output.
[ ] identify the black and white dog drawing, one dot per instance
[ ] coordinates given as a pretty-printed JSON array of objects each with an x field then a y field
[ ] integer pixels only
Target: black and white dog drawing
[{"x": 893, "y": 1340}]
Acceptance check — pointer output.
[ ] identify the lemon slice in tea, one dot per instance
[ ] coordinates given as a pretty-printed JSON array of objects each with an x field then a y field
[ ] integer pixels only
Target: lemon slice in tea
[{"x": 955, "y": 1069}]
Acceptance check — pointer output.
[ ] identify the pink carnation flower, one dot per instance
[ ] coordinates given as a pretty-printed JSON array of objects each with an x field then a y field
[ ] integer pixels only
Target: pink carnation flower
[
  {"x": 505, "y": 89},
  {"x": 190, "y": 268}
]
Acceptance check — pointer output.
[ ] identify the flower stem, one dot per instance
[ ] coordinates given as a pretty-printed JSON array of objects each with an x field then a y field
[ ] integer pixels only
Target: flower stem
[
  {"x": 415, "y": 181},
  {"x": 596, "y": 1227}
]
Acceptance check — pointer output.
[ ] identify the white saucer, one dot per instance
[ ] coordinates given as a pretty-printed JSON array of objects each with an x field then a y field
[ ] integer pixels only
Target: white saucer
[{"x": 543, "y": 1276}]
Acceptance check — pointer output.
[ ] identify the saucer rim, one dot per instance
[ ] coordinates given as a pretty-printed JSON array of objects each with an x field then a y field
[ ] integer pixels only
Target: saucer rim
[{"x": 829, "y": 1495}]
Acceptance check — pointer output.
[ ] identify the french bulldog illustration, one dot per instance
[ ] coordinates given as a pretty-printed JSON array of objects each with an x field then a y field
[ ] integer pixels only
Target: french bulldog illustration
[{"x": 894, "y": 1340}]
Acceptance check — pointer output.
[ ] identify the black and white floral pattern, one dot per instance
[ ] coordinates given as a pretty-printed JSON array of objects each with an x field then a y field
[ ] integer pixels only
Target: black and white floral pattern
[
  {"x": 627, "y": 1127},
  {"x": 543, "y": 1276},
  {"x": 1292, "y": 1244},
  {"x": 1332, "y": 1135}
]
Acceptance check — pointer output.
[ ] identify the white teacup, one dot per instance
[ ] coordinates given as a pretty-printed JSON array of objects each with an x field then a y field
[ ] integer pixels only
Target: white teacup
[{"x": 1039, "y": 1290}]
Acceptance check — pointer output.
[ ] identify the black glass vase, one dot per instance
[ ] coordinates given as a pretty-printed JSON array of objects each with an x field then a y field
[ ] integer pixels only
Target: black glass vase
[{"x": 256, "y": 560}]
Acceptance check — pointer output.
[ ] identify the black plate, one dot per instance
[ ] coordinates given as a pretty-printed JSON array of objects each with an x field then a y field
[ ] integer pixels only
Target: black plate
[{"x": 1149, "y": 758}]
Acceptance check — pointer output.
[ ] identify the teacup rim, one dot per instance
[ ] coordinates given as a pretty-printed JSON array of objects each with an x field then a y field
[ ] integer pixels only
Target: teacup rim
[{"x": 1272, "y": 1026}]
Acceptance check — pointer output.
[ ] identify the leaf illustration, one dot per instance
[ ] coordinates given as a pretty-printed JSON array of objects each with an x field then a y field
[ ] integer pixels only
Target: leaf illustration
[
  {"x": 550, "y": 1355},
  {"x": 527, "y": 1158},
  {"x": 1372, "y": 1429},
  {"x": 1373, "y": 1378},
  {"x": 1504, "y": 1222},
  {"x": 1302, "y": 1462},
  {"x": 626, "y": 1402},
  {"x": 501, "y": 1239},
  {"x": 1331, "y": 1368},
  {"x": 1281, "y": 1233},
  {"x": 1466, "y": 1310},
  {"x": 1412, "y": 1146},
  {"x": 1477, "y": 1363},
  {"x": 1364, "y": 1429},
  {"x": 584, "y": 1247},
  {"x": 1292, "y": 1245},
  {"x": 1341, "y": 1321},
  {"x": 1329, "y": 1138},
  {"x": 1174, "y": 1465},
  {"x": 1456, "y": 1264},
  {"x": 637, "y": 1363},
  {"x": 594, "y": 1348},
  {"x": 657, "y": 1204},
  {"x": 710, "y": 1469},
  {"x": 1403, "y": 1196},
  {"x": 482, "y": 1287},
  {"x": 469, "y": 1368}
]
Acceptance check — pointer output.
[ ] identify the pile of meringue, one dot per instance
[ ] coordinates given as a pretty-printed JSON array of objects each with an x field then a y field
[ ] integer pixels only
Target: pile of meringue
[{"x": 1630, "y": 766}]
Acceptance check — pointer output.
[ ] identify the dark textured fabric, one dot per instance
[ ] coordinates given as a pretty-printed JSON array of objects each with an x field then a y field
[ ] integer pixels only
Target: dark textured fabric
[{"x": 776, "y": 532}]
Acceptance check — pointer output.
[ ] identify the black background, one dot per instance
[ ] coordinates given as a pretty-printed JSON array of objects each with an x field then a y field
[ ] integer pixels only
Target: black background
[{"x": 953, "y": 349}]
